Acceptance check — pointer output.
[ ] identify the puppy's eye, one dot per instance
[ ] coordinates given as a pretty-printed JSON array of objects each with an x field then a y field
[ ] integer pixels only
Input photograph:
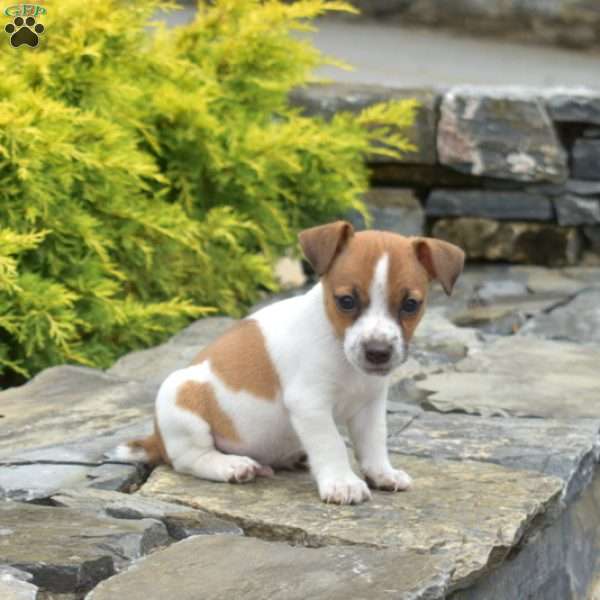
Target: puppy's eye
[
  {"x": 346, "y": 303},
  {"x": 410, "y": 306}
]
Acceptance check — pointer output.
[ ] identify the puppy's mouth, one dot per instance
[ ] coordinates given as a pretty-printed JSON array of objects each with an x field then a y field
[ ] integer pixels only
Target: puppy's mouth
[{"x": 381, "y": 371}]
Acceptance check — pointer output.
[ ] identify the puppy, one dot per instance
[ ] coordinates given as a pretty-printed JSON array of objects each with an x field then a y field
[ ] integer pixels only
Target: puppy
[{"x": 270, "y": 390}]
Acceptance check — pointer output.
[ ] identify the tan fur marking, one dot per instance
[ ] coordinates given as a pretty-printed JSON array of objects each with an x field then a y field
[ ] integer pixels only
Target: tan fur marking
[
  {"x": 154, "y": 447},
  {"x": 240, "y": 359},
  {"x": 323, "y": 243},
  {"x": 354, "y": 269},
  {"x": 200, "y": 399}
]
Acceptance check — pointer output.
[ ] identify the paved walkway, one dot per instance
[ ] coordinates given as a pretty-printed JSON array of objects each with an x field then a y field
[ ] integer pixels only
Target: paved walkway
[{"x": 409, "y": 56}]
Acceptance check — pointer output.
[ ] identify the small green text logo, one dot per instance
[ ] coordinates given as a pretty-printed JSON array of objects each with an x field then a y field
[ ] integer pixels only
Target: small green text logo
[{"x": 24, "y": 10}]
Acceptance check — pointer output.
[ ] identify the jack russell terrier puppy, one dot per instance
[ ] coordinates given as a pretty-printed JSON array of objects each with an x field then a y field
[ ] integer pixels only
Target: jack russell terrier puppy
[{"x": 268, "y": 392}]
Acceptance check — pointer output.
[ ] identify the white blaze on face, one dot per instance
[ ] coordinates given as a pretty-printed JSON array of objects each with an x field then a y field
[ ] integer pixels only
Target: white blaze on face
[{"x": 375, "y": 324}]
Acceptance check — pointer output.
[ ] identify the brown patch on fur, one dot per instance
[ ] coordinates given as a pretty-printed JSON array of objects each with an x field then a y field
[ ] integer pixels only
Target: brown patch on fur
[
  {"x": 354, "y": 269},
  {"x": 240, "y": 359},
  {"x": 200, "y": 399},
  {"x": 323, "y": 243},
  {"x": 410, "y": 269},
  {"x": 442, "y": 261},
  {"x": 153, "y": 446},
  {"x": 352, "y": 273}
]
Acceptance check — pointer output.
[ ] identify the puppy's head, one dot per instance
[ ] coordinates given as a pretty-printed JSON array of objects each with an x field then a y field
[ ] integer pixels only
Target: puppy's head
[{"x": 375, "y": 287}]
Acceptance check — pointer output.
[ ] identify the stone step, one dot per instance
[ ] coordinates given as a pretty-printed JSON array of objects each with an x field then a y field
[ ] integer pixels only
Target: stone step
[
  {"x": 214, "y": 568},
  {"x": 453, "y": 511}
]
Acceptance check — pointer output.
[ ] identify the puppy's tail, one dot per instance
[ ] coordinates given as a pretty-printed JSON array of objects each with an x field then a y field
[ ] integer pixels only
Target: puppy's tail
[{"x": 148, "y": 450}]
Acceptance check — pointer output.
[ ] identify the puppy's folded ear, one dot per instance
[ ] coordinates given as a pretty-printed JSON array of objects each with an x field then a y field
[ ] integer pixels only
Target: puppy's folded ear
[
  {"x": 323, "y": 243},
  {"x": 442, "y": 261}
]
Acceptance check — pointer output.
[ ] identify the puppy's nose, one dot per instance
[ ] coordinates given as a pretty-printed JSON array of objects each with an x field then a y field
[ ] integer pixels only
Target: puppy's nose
[{"x": 378, "y": 353}]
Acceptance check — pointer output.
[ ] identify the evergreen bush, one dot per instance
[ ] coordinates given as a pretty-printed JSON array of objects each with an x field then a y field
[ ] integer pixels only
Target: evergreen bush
[{"x": 150, "y": 176}]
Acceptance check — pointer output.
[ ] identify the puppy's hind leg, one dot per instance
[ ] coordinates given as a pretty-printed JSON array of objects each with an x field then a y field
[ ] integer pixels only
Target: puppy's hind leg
[{"x": 189, "y": 428}]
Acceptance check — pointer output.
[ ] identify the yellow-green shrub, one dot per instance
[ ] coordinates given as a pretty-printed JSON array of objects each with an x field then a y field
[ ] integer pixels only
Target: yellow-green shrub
[{"x": 150, "y": 177}]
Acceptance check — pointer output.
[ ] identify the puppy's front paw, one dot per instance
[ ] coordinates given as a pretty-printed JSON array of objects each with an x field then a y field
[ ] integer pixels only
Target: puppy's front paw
[
  {"x": 344, "y": 490},
  {"x": 390, "y": 480}
]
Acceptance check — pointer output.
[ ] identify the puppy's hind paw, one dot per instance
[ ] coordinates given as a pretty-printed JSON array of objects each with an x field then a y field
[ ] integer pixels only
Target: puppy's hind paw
[
  {"x": 242, "y": 469},
  {"x": 347, "y": 490}
]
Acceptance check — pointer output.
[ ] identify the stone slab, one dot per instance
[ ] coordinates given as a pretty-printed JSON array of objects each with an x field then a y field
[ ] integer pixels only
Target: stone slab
[
  {"x": 14, "y": 585},
  {"x": 180, "y": 521},
  {"x": 392, "y": 209},
  {"x": 154, "y": 364},
  {"x": 491, "y": 204},
  {"x": 518, "y": 242},
  {"x": 574, "y": 210},
  {"x": 326, "y": 100},
  {"x": 568, "y": 449},
  {"x": 555, "y": 282},
  {"x": 223, "y": 567},
  {"x": 575, "y": 321},
  {"x": 60, "y": 426},
  {"x": 68, "y": 551},
  {"x": 586, "y": 159},
  {"x": 592, "y": 235},
  {"x": 68, "y": 404},
  {"x": 574, "y": 106},
  {"x": 524, "y": 377},
  {"x": 583, "y": 188},
  {"x": 499, "y": 133},
  {"x": 561, "y": 562},
  {"x": 453, "y": 510}
]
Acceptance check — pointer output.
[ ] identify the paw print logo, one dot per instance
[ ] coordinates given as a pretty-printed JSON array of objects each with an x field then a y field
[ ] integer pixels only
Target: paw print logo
[{"x": 24, "y": 31}]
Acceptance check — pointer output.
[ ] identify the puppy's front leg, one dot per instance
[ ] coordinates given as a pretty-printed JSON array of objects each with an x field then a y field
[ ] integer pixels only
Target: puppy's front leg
[
  {"x": 328, "y": 457},
  {"x": 368, "y": 430}
]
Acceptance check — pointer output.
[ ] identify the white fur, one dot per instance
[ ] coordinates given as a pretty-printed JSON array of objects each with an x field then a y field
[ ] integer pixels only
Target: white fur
[
  {"x": 376, "y": 324},
  {"x": 322, "y": 383}
]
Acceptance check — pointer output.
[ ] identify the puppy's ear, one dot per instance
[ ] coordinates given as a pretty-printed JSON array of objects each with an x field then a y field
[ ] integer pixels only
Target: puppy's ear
[
  {"x": 442, "y": 261},
  {"x": 323, "y": 243}
]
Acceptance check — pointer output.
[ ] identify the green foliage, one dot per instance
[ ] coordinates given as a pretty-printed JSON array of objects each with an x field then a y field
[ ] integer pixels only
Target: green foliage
[{"x": 147, "y": 178}]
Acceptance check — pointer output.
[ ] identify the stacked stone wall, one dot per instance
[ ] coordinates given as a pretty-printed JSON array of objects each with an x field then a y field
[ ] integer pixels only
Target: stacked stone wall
[{"x": 509, "y": 174}]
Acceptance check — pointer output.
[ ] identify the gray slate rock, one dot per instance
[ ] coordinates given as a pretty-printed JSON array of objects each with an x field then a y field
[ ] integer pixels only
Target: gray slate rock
[
  {"x": 37, "y": 456},
  {"x": 68, "y": 551},
  {"x": 592, "y": 132},
  {"x": 560, "y": 562},
  {"x": 70, "y": 404},
  {"x": 574, "y": 107},
  {"x": 522, "y": 377},
  {"x": 573, "y": 210},
  {"x": 180, "y": 521},
  {"x": 576, "y": 321},
  {"x": 328, "y": 99},
  {"x": 500, "y": 134},
  {"x": 502, "y": 289},
  {"x": 223, "y": 567},
  {"x": 592, "y": 235},
  {"x": 504, "y": 317},
  {"x": 154, "y": 364},
  {"x": 519, "y": 242},
  {"x": 452, "y": 511},
  {"x": 568, "y": 449},
  {"x": 583, "y": 188},
  {"x": 503, "y": 205},
  {"x": 14, "y": 584},
  {"x": 586, "y": 159},
  {"x": 392, "y": 209}
]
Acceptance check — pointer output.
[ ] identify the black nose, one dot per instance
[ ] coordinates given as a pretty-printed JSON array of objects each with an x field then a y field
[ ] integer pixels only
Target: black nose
[{"x": 378, "y": 353}]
